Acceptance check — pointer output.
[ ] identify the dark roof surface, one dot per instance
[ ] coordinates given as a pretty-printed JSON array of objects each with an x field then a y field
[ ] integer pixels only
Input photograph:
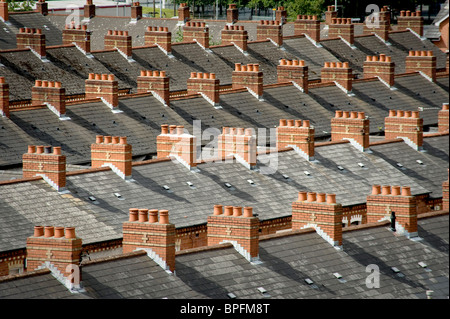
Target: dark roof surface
[
  {"x": 286, "y": 262},
  {"x": 271, "y": 193}
]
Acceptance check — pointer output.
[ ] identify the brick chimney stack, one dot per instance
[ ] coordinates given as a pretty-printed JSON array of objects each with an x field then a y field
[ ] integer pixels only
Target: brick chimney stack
[
  {"x": 330, "y": 14},
  {"x": 281, "y": 15},
  {"x": 196, "y": 32},
  {"x": 150, "y": 230},
  {"x": 270, "y": 29},
  {"x": 58, "y": 249},
  {"x": 339, "y": 73},
  {"x": 89, "y": 10},
  {"x": 42, "y": 7},
  {"x": 173, "y": 142},
  {"x": 445, "y": 194},
  {"x": 236, "y": 225},
  {"x": 105, "y": 87},
  {"x": 232, "y": 14},
  {"x": 183, "y": 13},
  {"x": 206, "y": 84},
  {"x": 239, "y": 142},
  {"x": 297, "y": 134},
  {"x": 386, "y": 200},
  {"x": 321, "y": 212},
  {"x": 381, "y": 67},
  {"x": 410, "y": 20},
  {"x": 50, "y": 93},
  {"x": 309, "y": 26},
  {"x": 250, "y": 77},
  {"x": 385, "y": 14},
  {"x": 423, "y": 62},
  {"x": 33, "y": 39},
  {"x": 161, "y": 36},
  {"x": 4, "y": 15},
  {"x": 443, "y": 118},
  {"x": 342, "y": 27},
  {"x": 156, "y": 82},
  {"x": 294, "y": 71},
  {"x": 352, "y": 126},
  {"x": 79, "y": 35},
  {"x": 42, "y": 161},
  {"x": 4, "y": 97},
  {"x": 406, "y": 125},
  {"x": 119, "y": 40},
  {"x": 235, "y": 35},
  {"x": 136, "y": 11},
  {"x": 379, "y": 27},
  {"x": 114, "y": 152}
]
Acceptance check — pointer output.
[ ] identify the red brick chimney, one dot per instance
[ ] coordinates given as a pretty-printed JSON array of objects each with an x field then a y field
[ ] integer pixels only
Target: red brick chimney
[
  {"x": 386, "y": 200},
  {"x": 235, "y": 35},
  {"x": 79, "y": 35},
  {"x": 297, "y": 134},
  {"x": 321, "y": 212},
  {"x": 136, "y": 11},
  {"x": 381, "y": 67},
  {"x": 232, "y": 14},
  {"x": 206, "y": 84},
  {"x": 42, "y": 7},
  {"x": 443, "y": 119},
  {"x": 89, "y": 10},
  {"x": 33, "y": 39},
  {"x": 410, "y": 20},
  {"x": 270, "y": 29},
  {"x": 156, "y": 82},
  {"x": 309, "y": 26},
  {"x": 161, "y": 36},
  {"x": 4, "y": 15},
  {"x": 445, "y": 194},
  {"x": 239, "y": 142},
  {"x": 250, "y": 77},
  {"x": 58, "y": 249},
  {"x": 4, "y": 97},
  {"x": 294, "y": 71},
  {"x": 352, "y": 126},
  {"x": 330, "y": 14},
  {"x": 119, "y": 40},
  {"x": 196, "y": 32},
  {"x": 423, "y": 62},
  {"x": 385, "y": 14},
  {"x": 378, "y": 27},
  {"x": 230, "y": 224},
  {"x": 343, "y": 28},
  {"x": 50, "y": 93},
  {"x": 150, "y": 230},
  {"x": 339, "y": 73},
  {"x": 173, "y": 142},
  {"x": 41, "y": 161},
  {"x": 406, "y": 125},
  {"x": 281, "y": 15},
  {"x": 114, "y": 152},
  {"x": 105, "y": 87},
  {"x": 183, "y": 13}
]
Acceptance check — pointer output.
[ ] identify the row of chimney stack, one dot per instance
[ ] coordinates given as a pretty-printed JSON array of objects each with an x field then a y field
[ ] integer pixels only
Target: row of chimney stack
[
  {"x": 239, "y": 143},
  {"x": 248, "y": 77},
  {"x": 150, "y": 230}
]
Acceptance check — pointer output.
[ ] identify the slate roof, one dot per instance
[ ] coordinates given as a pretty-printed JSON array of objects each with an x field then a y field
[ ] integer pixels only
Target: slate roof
[
  {"x": 271, "y": 193},
  {"x": 142, "y": 116},
  {"x": 432, "y": 31},
  {"x": 401, "y": 44},
  {"x": 287, "y": 261}
]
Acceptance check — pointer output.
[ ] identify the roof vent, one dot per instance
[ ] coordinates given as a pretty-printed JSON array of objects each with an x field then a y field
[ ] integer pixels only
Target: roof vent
[
  {"x": 397, "y": 272},
  {"x": 340, "y": 168},
  {"x": 167, "y": 188},
  {"x": 251, "y": 182},
  {"x": 306, "y": 173},
  {"x": 119, "y": 196},
  {"x": 263, "y": 292},
  {"x": 190, "y": 184},
  {"x": 361, "y": 164},
  {"x": 424, "y": 266},
  {"x": 228, "y": 185},
  {"x": 399, "y": 165},
  {"x": 309, "y": 281},
  {"x": 339, "y": 277},
  {"x": 419, "y": 162},
  {"x": 285, "y": 176},
  {"x": 231, "y": 295}
]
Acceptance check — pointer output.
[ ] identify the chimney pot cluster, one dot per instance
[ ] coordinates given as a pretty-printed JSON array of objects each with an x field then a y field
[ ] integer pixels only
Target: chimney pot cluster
[
  {"x": 143, "y": 215},
  {"x": 306, "y": 17},
  {"x": 155, "y": 74},
  {"x": 157, "y": 29},
  {"x": 56, "y": 232},
  {"x": 101, "y": 77},
  {"x": 386, "y": 190},
  {"x": 316, "y": 197},
  {"x": 234, "y": 27}
]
